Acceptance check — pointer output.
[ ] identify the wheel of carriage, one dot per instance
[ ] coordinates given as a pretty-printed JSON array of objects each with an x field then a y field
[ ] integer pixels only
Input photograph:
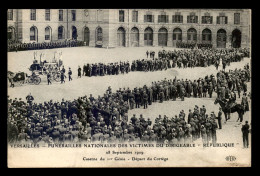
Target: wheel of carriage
[
  {"x": 56, "y": 77},
  {"x": 37, "y": 80},
  {"x": 28, "y": 80}
]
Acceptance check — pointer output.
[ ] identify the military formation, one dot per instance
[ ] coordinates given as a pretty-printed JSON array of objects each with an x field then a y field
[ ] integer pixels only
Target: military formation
[
  {"x": 101, "y": 69},
  {"x": 18, "y": 46},
  {"x": 167, "y": 60},
  {"x": 74, "y": 121},
  {"x": 181, "y": 44},
  {"x": 106, "y": 118},
  {"x": 201, "y": 57}
]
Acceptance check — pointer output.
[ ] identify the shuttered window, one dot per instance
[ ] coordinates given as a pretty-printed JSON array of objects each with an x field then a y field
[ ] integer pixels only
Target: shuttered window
[
  {"x": 135, "y": 16},
  {"x": 177, "y": 19},
  {"x": 149, "y": 18},
  {"x": 163, "y": 19},
  {"x": 192, "y": 19},
  {"x": 222, "y": 20},
  {"x": 121, "y": 16},
  {"x": 236, "y": 18}
]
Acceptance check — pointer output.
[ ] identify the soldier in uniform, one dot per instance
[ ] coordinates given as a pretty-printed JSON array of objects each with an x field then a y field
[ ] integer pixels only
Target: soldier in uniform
[
  {"x": 137, "y": 99},
  {"x": 29, "y": 99},
  {"x": 145, "y": 100},
  {"x": 62, "y": 77},
  {"x": 245, "y": 132},
  {"x": 182, "y": 94},
  {"x": 219, "y": 118},
  {"x": 210, "y": 89},
  {"x": 49, "y": 78},
  {"x": 195, "y": 89},
  {"x": 79, "y": 72},
  {"x": 70, "y": 73},
  {"x": 214, "y": 126}
]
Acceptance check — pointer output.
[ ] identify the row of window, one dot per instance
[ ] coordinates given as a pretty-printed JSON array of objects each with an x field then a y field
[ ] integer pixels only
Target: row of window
[
  {"x": 177, "y": 18},
  {"x": 61, "y": 33},
  {"x": 47, "y": 15},
  {"x": 177, "y": 33}
]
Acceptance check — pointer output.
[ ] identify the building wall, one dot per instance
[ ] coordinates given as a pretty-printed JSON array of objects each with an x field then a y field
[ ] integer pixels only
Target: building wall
[{"x": 108, "y": 20}]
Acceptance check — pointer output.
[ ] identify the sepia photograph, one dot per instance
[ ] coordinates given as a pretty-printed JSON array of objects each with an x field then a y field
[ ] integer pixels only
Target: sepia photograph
[{"x": 101, "y": 88}]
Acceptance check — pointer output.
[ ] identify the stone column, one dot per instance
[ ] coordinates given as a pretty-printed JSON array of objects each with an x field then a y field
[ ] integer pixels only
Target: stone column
[
  {"x": 92, "y": 38},
  {"x": 214, "y": 39},
  {"x": 155, "y": 38},
  {"x": 184, "y": 35},
  {"x": 169, "y": 42},
  {"x": 244, "y": 39},
  {"x": 229, "y": 40},
  {"x": 141, "y": 39}
]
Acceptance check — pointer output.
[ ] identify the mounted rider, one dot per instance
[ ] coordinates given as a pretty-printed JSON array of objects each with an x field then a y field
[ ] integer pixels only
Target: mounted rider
[{"x": 231, "y": 101}]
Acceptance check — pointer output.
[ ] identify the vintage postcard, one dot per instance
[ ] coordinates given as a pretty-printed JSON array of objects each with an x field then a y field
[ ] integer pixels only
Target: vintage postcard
[{"x": 129, "y": 88}]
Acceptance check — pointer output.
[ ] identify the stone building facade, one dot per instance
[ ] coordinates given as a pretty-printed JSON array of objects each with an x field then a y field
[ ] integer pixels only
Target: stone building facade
[{"x": 132, "y": 27}]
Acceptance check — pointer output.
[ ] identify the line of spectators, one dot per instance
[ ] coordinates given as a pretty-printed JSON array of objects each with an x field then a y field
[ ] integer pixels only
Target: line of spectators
[
  {"x": 167, "y": 60},
  {"x": 18, "y": 46},
  {"x": 201, "y": 57},
  {"x": 101, "y": 69},
  {"x": 181, "y": 44}
]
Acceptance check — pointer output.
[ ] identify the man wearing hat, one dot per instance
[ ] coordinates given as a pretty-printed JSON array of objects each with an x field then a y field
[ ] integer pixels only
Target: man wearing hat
[
  {"x": 245, "y": 132},
  {"x": 133, "y": 119},
  {"x": 29, "y": 99},
  {"x": 219, "y": 118},
  {"x": 70, "y": 73},
  {"x": 210, "y": 89},
  {"x": 79, "y": 72},
  {"x": 214, "y": 126},
  {"x": 49, "y": 78}
]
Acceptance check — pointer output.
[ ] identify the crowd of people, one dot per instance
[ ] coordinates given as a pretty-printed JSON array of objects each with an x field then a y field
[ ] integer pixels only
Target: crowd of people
[
  {"x": 79, "y": 125},
  {"x": 181, "y": 44},
  {"x": 167, "y": 60},
  {"x": 106, "y": 118},
  {"x": 18, "y": 46},
  {"x": 101, "y": 69},
  {"x": 200, "y": 57}
]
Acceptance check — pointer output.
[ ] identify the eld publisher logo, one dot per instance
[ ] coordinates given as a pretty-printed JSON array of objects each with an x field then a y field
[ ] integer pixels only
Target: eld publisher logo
[{"x": 230, "y": 158}]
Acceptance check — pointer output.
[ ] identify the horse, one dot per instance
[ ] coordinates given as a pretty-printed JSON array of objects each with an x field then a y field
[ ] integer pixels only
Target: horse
[
  {"x": 16, "y": 77},
  {"x": 237, "y": 108}
]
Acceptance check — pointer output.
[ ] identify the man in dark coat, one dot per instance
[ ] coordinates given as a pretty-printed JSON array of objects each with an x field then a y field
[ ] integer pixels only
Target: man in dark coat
[
  {"x": 79, "y": 72},
  {"x": 219, "y": 118},
  {"x": 245, "y": 132},
  {"x": 49, "y": 78},
  {"x": 70, "y": 73}
]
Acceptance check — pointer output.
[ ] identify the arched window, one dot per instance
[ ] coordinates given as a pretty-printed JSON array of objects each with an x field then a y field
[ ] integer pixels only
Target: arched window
[
  {"x": 33, "y": 33},
  {"x": 86, "y": 35},
  {"x": 121, "y": 36},
  {"x": 206, "y": 35},
  {"x": 177, "y": 34},
  {"x": 148, "y": 37},
  {"x": 11, "y": 33},
  {"x": 236, "y": 38},
  {"x": 134, "y": 37},
  {"x": 47, "y": 33},
  {"x": 99, "y": 34},
  {"x": 61, "y": 32},
  {"x": 221, "y": 38},
  {"x": 74, "y": 33},
  {"x": 192, "y": 35},
  {"x": 162, "y": 37}
]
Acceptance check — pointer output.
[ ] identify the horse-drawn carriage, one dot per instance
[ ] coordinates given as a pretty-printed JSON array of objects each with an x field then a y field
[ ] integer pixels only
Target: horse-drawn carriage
[
  {"x": 38, "y": 68},
  {"x": 22, "y": 78},
  {"x": 43, "y": 68}
]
